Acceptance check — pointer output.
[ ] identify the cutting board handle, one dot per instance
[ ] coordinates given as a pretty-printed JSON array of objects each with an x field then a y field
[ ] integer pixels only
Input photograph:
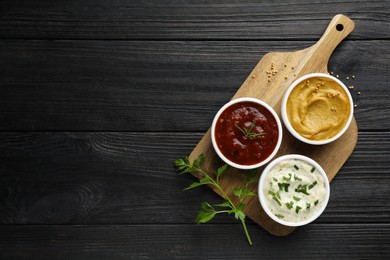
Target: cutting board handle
[{"x": 339, "y": 28}]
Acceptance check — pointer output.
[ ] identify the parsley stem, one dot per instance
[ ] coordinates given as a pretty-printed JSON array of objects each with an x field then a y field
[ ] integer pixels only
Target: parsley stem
[
  {"x": 207, "y": 210},
  {"x": 224, "y": 195},
  {"x": 222, "y": 211},
  {"x": 246, "y": 232},
  {"x": 230, "y": 202}
]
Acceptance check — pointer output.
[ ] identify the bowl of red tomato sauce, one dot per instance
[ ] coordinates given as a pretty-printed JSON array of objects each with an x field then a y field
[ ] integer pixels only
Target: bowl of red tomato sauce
[{"x": 246, "y": 133}]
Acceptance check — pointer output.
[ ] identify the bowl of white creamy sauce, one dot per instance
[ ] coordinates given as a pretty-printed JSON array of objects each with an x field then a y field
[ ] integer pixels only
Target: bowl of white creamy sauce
[{"x": 294, "y": 190}]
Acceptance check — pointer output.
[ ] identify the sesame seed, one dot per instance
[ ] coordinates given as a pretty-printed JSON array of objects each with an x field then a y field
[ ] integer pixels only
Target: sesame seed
[
  {"x": 355, "y": 105},
  {"x": 253, "y": 76},
  {"x": 331, "y": 72},
  {"x": 347, "y": 78},
  {"x": 353, "y": 76},
  {"x": 359, "y": 93},
  {"x": 337, "y": 76}
]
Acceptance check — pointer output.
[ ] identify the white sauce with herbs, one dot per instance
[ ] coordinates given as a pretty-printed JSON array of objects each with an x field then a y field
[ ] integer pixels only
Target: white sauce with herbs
[{"x": 294, "y": 190}]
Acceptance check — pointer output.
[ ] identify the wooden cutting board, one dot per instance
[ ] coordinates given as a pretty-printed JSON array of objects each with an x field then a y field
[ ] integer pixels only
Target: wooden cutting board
[{"x": 289, "y": 66}]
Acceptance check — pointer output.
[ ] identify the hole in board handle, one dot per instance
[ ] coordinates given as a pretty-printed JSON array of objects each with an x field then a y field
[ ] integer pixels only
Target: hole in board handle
[{"x": 339, "y": 27}]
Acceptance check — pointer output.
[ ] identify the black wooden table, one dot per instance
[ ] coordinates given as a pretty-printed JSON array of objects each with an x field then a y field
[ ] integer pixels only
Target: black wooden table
[{"x": 99, "y": 98}]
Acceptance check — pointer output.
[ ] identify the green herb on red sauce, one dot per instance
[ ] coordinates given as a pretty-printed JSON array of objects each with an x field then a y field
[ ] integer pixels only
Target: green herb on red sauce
[{"x": 249, "y": 133}]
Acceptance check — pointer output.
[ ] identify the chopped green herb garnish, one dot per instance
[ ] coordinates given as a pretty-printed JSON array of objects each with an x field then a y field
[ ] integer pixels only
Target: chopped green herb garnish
[
  {"x": 275, "y": 179},
  {"x": 287, "y": 178},
  {"x": 313, "y": 169},
  {"x": 278, "y": 195},
  {"x": 302, "y": 189},
  {"x": 277, "y": 200},
  {"x": 297, "y": 209},
  {"x": 296, "y": 167},
  {"x": 290, "y": 204},
  {"x": 308, "y": 205},
  {"x": 275, "y": 196},
  {"x": 312, "y": 185},
  {"x": 315, "y": 203},
  {"x": 284, "y": 186},
  {"x": 296, "y": 198},
  {"x": 297, "y": 178},
  {"x": 249, "y": 133},
  {"x": 279, "y": 216}
]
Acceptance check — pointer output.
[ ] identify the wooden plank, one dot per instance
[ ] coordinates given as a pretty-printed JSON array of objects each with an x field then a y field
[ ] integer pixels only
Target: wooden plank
[
  {"x": 346, "y": 241},
  {"x": 117, "y": 86},
  {"x": 120, "y": 177},
  {"x": 178, "y": 19}
]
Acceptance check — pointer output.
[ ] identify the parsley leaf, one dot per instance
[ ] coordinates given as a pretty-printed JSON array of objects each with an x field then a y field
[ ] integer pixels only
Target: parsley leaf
[
  {"x": 242, "y": 193},
  {"x": 207, "y": 211},
  {"x": 206, "y": 214}
]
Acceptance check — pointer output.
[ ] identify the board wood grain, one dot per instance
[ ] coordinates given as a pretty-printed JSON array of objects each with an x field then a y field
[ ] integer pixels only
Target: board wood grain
[{"x": 331, "y": 157}]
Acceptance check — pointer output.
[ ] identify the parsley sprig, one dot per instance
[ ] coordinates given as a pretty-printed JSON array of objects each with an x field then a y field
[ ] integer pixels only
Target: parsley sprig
[
  {"x": 208, "y": 211},
  {"x": 248, "y": 132}
]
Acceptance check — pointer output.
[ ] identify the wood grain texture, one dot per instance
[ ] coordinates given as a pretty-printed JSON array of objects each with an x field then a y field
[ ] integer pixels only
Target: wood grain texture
[
  {"x": 119, "y": 178},
  {"x": 159, "y": 86},
  {"x": 178, "y": 19},
  {"x": 192, "y": 242}
]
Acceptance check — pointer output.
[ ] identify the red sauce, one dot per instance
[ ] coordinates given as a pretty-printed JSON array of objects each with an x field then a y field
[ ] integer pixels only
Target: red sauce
[{"x": 233, "y": 143}]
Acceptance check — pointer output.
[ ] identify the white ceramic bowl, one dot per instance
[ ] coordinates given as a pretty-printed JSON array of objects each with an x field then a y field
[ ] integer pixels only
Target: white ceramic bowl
[
  {"x": 276, "y": 148},
  {"x": 288, "y": 124},
  {"x": 261, "y": 188}
]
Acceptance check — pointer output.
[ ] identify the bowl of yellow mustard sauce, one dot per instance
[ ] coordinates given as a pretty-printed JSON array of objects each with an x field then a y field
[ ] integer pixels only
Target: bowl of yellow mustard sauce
[{"x": 317, "y": 108}]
